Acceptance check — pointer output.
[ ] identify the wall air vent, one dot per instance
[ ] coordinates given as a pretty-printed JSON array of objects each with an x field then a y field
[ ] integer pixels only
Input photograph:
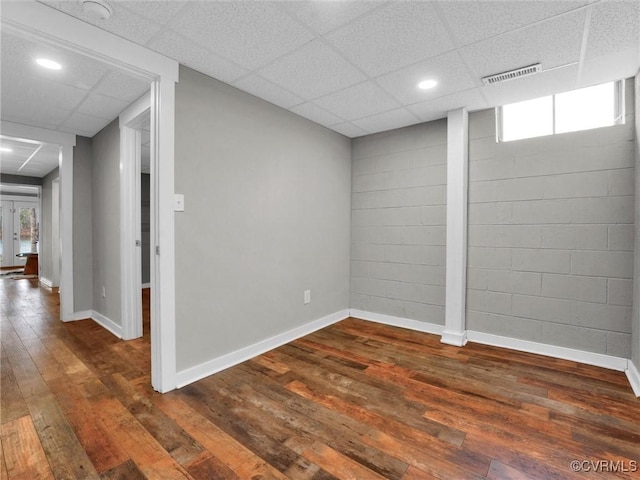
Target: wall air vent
[{"x": 512, "y": 74}]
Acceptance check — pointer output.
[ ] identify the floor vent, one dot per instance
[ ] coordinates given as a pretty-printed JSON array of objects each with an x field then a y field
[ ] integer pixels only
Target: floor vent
[{"x": 512, "y": 74}]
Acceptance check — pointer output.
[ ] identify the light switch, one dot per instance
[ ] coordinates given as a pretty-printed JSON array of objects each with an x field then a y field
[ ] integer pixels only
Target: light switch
[{"x": 178, "y": 202}]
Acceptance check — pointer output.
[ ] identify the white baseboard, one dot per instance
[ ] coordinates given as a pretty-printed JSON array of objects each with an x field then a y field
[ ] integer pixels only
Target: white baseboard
[
  {"x": 107, "y": 323},
  {"x": 81, "y": 315},
  {"x": 590, "y": 358},
  {"x": 633, "y": 375},
  {"x": 425, "y": 327},
  {"x": 193, "y": 374},
  {"x": 46, "y": 282},
  {"x": 457, "y": 339},
  {"x": 146, "y": 285}
]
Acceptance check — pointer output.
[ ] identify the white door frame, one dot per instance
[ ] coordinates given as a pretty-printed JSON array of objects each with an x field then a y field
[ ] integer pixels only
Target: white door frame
[
  {"x": 56, "y": 258},
  {"x": 48, "y": 25},
  {"x": 131, "y": 122}
]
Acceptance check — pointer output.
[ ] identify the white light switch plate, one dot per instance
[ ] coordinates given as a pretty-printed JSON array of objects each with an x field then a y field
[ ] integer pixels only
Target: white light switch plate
[{"x": 178, "y": 202}]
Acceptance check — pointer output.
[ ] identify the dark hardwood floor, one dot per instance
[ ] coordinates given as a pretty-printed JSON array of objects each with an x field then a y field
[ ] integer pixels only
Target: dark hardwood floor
[{"x": 356, "y": 400}]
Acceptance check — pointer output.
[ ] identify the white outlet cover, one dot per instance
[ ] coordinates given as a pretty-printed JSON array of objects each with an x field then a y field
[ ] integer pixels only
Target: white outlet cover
[{"x": 178, "y": 202}]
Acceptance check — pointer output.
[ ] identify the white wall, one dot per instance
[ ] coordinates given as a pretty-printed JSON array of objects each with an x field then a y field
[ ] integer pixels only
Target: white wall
[
  {"x": 398, "y": 217},
  {"x": 105, "y": 188},
  {"x": 551, "y": 223},
  {"x": 82, "y": 225},
  {"x": 46, "y": 242},
  {"x": 267, "y": 205},
  {"x": 635, "y": 343}
]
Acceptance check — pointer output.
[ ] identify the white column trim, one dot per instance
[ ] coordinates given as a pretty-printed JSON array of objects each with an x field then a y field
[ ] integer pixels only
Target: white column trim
[{"x": 457, "y": 179}]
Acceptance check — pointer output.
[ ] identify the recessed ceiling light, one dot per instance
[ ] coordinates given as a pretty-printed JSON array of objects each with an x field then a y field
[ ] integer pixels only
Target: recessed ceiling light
[
  {"x": 427, "y": 84},
  {"x": 50, "y": 64},
  {"x": 97, "y": 9},
  {"x": 6, "y": 149}
]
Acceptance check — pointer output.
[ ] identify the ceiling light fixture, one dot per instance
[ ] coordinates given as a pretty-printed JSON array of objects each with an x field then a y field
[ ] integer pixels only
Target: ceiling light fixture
[
  {"x": 97, "y": 9},
  {"x": 50, "y": 64},
  {"x": 6, "y": 149},
  {"x": 427, "y": 84}
]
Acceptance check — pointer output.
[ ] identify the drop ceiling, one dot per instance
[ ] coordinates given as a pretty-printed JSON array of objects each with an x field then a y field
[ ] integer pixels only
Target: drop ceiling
[
  {"x": 353, "y": 66},
  {"x": 27, "y": 158}
]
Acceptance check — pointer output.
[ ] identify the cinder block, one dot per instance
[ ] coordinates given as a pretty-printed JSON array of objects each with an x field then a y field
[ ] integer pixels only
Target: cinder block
[
  {"x": 489, "y": 258},
  {"x": 360, "y": 302},
  {"x": 360, "y": 200},
  {"x": 489, "y": 302},
  {"x": 477, "y": 279},
  {"x": 578, "y": 338},
  {"x": 482, "y": 148},
  {"x": 602, "y": 264},
  {"x": 416, "y": 292},
  {"x": 368, "y": 217},
  {"x": 541, "y": 212},
  {"x": 621, "y": 182},
  {"x": 545, "y": 261},
  {"x": 434, "y": 215},
  {"x": 509, "y": 190},
  {"x": 588, "y": 289},
  {"x": 416, "y": 177},
  {"x": 403, "y": 253},
  {"x": 372, "y": 253},
  {"x": 541, "y": 308},
  {"x": 360, "y": 234},
  {"x": 482, "y": 124},
  {"x": 590, "y": 184},
  {"x": 603, "y": 317},
  {"x": 369, "y": 286},
  {"x": 524, "y": 283},
  {"x": 575, "y": 237},
  {"x": 360, "y": 268},
  {"x": 621, "y": 237},
  {"x": 402, "y": 216},
  {"x": 505, "y": 325},
  {"x": 434, "y": 195},
  {"x": 620, "y": 292},
  {"x": 371, "y": 182},
  {"x": 495, "y": 213},
  {"x": 619, "y": 344},
  {"x": 386, "y": 198},
  {"x": 523, "y": 236},
  {"x": 404, "y": 272},
  {"x": 491, "y": 169},
  {"x": 427, "y": 156},
  {"x": 603, "y": 210}
]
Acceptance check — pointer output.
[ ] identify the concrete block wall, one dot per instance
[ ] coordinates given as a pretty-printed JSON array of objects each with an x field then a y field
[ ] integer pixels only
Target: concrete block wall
[
  {"x": 551, "y": 235},
  {"x": 398, "y": 227}
]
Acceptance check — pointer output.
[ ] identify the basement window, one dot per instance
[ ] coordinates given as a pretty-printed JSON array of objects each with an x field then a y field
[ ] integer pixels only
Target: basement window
[{"x": 584, "y": 109}]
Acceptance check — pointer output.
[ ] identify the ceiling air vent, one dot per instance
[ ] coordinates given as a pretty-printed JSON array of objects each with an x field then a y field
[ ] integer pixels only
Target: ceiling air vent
[{"x": 512, "y": 74}]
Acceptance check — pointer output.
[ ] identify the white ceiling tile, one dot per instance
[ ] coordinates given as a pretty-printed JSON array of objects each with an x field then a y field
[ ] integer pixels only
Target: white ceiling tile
[
  {"x": 196, "y": 56},
  {"x": 471, "y": 21},
  {"x": 598, "y": 70},
  {"x": 124, "y": 23},
  {"x": 122, "y": 86},
  {"x": 83, "y": 122},
  {"x": 448, "y": 70},
  {"x": 621, "y": 17},
  {"x": 251, "y": 33},
  {"x": 358, "y": 101},
  {"x": 32, "y": 94},
  {"x": 553, "y": 43},
  {"x": 262, "y": 88},
  {"x": 392, "y": 37},
  {"x": 438, "y": 107},
  {"x": 349, "y": 130},
  {"x": 159, "y": 11},
  {"x": 539, "y": 85},
  {"x": 324, "y": 16},
  {"x": 313, "y": 70},
  {"x": 387, "y": 121},
  {"x": 100, "y": 106},
  {"x": 316, "y": 114}
]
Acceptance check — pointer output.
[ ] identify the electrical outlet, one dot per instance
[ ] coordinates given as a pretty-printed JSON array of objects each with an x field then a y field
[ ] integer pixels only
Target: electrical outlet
[
  {"x": 307, "y": 296},
  {"x": 104, "y": 292}
]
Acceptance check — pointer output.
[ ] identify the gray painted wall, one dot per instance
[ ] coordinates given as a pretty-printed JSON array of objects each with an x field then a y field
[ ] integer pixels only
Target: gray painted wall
[
  {"x": 398, "y": 228},
  {"x": 267, "y": 201},
  {"x": 551, "y": 238},
  {"x": 105, "y": 187},
  {"x": 46, "y": 243},
  {"x": 635, "y": 342},
  {"x": 145, "y": 218},
  {"x": 82, "y": 225}
]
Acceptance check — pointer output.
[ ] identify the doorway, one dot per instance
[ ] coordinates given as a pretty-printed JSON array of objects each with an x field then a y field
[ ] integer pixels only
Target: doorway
[{"x": 19, "y": 233}]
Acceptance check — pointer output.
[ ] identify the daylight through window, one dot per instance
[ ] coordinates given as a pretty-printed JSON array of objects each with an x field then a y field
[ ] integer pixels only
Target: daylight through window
[{"x": 583, "y": 109}]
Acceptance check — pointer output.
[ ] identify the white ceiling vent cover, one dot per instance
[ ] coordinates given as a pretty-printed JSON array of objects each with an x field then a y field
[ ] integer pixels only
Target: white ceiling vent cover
[{"x": 512, "y": 74}]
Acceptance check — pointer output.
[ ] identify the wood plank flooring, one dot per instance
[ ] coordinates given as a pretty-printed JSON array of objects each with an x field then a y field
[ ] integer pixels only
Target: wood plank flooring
[{"x": 356, "y": 400}]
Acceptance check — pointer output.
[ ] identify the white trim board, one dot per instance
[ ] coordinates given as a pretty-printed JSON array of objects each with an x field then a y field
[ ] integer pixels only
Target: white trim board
[
  {"x": 46, "y": 282},
  {"x": 215, "y": 365},
  {"x": 633, "y": 375},
  {"x": 100, "y": 319},
  {"x": 424, "y": 327},
  {"x": 580, "y": 356}
]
